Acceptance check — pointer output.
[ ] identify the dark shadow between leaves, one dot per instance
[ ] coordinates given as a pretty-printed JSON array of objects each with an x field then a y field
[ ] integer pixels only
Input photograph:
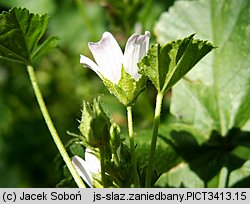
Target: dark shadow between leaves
[
  {"x": 244, "y": 183},
  {"x": 207, "y": 159}
]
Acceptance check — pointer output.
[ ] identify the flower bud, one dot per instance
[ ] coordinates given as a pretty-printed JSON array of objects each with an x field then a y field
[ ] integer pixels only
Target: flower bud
[
  {"x": 115, "y": 139},
  {"x": 95, "y": 124}
]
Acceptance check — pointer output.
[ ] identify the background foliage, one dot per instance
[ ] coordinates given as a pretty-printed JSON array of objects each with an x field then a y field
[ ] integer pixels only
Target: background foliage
[{"x": 209, "y": 135}]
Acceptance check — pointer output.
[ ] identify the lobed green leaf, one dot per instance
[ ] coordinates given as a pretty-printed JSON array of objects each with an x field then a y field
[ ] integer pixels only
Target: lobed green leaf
[
  {"x": 166, "y": 65},
  {"x": 20, "y": 33},
  {"x": 225, "y": 72},
  {"x": 214, "y": 98}
]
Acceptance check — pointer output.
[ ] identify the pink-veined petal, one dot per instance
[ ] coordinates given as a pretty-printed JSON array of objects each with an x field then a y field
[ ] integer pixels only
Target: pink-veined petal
[
  {"x": 136, "y": 48},
  {"x": 81, "y": 167},
  {"x": 90, "y": 64},
  {"x": 108, "y": 55}
]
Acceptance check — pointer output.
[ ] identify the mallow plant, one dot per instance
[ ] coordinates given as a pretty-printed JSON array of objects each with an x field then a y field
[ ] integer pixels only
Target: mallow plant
[{"x": 110, "y": 158}]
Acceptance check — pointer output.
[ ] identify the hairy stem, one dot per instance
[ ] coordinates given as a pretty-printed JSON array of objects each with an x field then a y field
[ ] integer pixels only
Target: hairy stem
[
  {"x": 154, "y": 139},
  {"x": 132, "y": 146},
  {"x": 52, "y": 129}
]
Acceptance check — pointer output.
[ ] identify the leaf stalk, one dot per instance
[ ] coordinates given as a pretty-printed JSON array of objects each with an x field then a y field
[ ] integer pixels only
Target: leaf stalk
[
  {"x": 132, "y": 146},
  {"x": 156, "y": 123},
  {"x": 52, "y": 129}
]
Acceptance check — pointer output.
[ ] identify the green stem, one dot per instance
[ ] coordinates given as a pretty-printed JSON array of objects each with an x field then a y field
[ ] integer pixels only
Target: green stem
[
  {"x": 52, "y": 129},
  {"x": 154, "y": 139},
  {"x": 102, "y": 152},
  {"x": 132, "y": 146}
]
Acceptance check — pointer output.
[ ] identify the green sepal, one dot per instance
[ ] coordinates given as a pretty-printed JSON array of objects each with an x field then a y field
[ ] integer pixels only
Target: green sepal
[
  {"x": 166, "y": 65},
  {"x": 128, "y": 89},
  {"x": 95, "y": 124},
  {"x": 20, "y": 35}
]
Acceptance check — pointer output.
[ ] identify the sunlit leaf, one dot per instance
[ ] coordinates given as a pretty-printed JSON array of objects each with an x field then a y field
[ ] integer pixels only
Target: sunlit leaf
[
  {"x": 214, "y": 98},
  {"x": 20, "y": 33},
  {"x": 177, "y": 178},
  {"x": 240, "y": 177},
  {"x": 166, "y": 65},
  {"x": 226, "y": 71}
]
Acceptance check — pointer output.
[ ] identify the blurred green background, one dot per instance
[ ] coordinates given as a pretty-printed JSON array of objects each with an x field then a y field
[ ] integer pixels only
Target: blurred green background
[{"x": 27, "y": 152}]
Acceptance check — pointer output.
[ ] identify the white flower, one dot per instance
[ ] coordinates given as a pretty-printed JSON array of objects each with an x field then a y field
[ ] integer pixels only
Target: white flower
[
  {"x": 110, "y": 59},
  {"x": 86, "y": 168}
]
